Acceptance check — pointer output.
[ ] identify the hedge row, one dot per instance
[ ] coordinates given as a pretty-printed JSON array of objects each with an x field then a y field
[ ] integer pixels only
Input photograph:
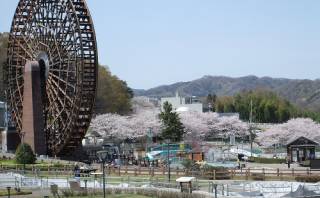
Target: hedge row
[
  {"x": 310, "y": 178},
  {"x": 40, "y": 167},
  {"x": 149, "y": 192},
  {"x": 267, "y": 160}
]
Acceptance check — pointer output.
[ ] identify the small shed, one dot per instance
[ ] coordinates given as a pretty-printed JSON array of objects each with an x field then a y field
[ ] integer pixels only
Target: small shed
[
  {"x": 185, "y": 184},
  {"x": 301, "y": 149}
]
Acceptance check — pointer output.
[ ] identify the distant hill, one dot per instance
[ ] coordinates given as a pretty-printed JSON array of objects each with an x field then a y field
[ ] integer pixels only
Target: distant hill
[{"x": 304, "y": 93}]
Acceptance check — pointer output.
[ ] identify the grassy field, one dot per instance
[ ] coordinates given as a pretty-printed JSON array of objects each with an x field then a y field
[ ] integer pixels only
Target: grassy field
[
  {"x": 7, "y": 161},
  {"x": 13, "y": 192}
]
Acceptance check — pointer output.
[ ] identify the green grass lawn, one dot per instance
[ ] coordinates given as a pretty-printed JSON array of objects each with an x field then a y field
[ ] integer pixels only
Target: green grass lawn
[
  {"x": 13, "y": 192},
  {"x": 7, "y": 161}
]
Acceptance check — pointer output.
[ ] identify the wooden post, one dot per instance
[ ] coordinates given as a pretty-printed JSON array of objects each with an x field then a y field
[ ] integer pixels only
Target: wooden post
[
  {"x": 292, "y": 172},
  {"x": 310, "y": 171},
  {"x": 214, "y": 174},
  {"x": 247, "y": 173},
  {"x": 222, "y": 189},
  {"x": 278, "y": 172}
]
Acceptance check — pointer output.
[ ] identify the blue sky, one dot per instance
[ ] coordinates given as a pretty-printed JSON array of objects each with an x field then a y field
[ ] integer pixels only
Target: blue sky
[{"x": 150, "y": 43}]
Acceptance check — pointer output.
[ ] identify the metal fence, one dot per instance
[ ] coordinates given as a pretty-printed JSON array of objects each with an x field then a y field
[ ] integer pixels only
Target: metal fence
[{"x": 214, "y": 188}]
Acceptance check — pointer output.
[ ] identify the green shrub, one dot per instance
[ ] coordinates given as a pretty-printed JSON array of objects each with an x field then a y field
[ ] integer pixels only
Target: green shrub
[
  {"x": 305, "y": 163},
  {"x": 171, "y": 194},
  {"x": 149, "y": 192},
  {"x": 187, "y": 163},
  {"x": 25, "y": 155},
  {"x": 71, "y": 193},
  {"x": 14, "y": 192},
  {"x": 267, "y": 160},
  {"x": 258, "y": 176},
  {"x": 308, "y": 178},
  {"x": 221, "y": 173}
]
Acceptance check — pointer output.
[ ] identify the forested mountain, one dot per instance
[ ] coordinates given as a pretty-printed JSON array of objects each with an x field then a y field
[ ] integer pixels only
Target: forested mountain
[
  {"x": 113, "y": 94},
  {"x": 304, "y": 93},
  {"x": 263, "y": 105}
]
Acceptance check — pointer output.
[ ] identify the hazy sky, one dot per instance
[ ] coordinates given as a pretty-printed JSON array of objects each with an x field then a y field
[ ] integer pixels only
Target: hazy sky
[{"x": 154, "y": 42}]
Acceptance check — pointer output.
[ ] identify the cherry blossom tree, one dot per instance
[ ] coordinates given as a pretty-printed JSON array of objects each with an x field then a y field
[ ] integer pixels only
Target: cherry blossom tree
[
  {"x": 126, "y": 127},
  {"x": 287, "y": 132},
  {"x": 198, "y": 126},
  {"x": 212, "y": 125},
  {"x": 228, "y": 125}
]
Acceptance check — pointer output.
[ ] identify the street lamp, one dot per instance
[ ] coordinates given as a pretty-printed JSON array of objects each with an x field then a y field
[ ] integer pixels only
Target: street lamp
[{"x": 103, "y": 156}]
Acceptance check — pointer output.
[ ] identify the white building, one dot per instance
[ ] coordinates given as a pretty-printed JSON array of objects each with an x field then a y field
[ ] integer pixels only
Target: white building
[{"x": 180, "y": 104}]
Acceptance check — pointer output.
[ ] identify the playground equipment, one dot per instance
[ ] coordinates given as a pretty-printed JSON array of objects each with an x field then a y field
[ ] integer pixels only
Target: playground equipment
[{"x": 177, "y": 152}]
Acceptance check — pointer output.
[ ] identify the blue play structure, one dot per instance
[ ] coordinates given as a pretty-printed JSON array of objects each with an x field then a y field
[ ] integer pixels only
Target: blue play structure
[{"x": 176, "y": 152}]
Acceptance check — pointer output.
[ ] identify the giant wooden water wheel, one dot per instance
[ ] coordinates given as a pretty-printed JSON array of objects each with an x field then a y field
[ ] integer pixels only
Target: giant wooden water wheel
[{"x": 60, "y": 36}]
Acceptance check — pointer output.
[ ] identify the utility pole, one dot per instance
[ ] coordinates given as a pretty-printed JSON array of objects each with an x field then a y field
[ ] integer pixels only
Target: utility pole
[
  {"x": 22, "y": 134},
  {"x": 250, "y": 128},
  {"x": 168, "y": 160}
]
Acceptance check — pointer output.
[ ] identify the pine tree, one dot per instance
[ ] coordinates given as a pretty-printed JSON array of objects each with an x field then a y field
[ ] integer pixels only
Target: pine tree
[
  {"x": 172, "y": 127},
  {"x": 24, "y": 154}
]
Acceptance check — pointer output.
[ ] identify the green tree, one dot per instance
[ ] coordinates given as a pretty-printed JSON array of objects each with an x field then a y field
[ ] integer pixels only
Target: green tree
[
  {"x": 211, "y": 100},
  {"x": 267, "y": 107},
  {"x": 25, "y": 155},
  {"x": 219, "y": 106},
  {"x": 113, "y": 94},
  {"x": 225, "y": 104},
  {"x": 172, "y": 127},
  {"x": 3, "y": 60}
]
